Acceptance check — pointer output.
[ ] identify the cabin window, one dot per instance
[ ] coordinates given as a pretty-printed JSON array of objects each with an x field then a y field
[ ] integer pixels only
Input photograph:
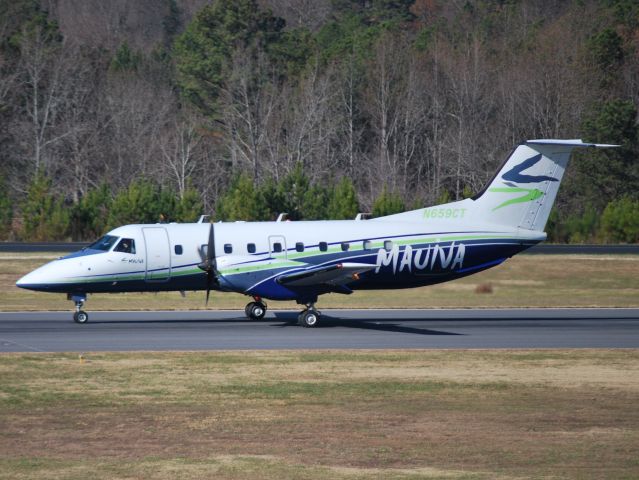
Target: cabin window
[
  {"x": 299, "y": 246},
  {"x": 178, "y": 249},
  {"x": 277, "y": 247},
  {"x": 228, "y": 248},
  {"x": 345, "y": 246},
  {"x": 388, "y": 245},
  {"x": 368, "y": 244},
  {"x": 126, "y": 245},
  {"x": 250, "y": 247},
  {"x": 323, "y": 246}
]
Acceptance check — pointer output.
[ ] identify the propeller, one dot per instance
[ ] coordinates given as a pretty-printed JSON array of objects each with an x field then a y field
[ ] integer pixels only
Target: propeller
[{"x": 208, "y": 264}]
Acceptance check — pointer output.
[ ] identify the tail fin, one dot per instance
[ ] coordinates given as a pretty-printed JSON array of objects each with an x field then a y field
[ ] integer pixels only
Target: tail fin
[{"x": 522, "y": 193}]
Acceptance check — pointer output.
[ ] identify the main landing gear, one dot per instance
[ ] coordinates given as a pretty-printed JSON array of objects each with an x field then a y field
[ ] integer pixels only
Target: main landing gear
[
  {"x": 309, "y": 317},
  {"x": 255, "y": 310},
  {"x": 80, "y": 316}
]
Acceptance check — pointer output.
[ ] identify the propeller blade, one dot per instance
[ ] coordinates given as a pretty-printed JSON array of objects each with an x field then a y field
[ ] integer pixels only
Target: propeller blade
[
  {"x": 209, "y": 258},
  {"x": 208, "y": 264},
  {"x": 210, "y": 251}
]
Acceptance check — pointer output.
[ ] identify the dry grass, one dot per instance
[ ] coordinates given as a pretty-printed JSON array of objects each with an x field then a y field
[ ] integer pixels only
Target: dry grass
[
  {"x": 319, "y": 415},
  {"x": 523, "y": 281}
]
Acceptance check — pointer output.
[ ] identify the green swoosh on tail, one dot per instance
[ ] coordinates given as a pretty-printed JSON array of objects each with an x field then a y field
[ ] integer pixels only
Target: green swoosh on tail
[{"x": 530, "y": 195}]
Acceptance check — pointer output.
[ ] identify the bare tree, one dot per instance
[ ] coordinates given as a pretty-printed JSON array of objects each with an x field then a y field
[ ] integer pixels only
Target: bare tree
[
  {"x": 470, "y": 108},
  {"x": 44, "y": 67},
  {"x": 138, "y": 110},
  {"x": 301, "y": 13},
  {"x": 384, "y": 89},
  {"x": 397, "y": 105},
  {"x": 181, "y": 147},
  {"x": 348, "y": 113},
  {"x": 248, "y": 101},
  {"x": 77, "y": 153},
  {"x": 309, "y": 131}
]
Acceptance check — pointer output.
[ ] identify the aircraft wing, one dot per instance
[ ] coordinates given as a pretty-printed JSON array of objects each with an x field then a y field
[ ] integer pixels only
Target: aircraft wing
[{"x": 337, "y": 275}]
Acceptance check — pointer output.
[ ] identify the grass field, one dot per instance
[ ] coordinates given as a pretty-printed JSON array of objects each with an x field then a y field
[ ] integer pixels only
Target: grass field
[
  {"x": 523, "y": 281},
  {"x": 321, "y": 415}
]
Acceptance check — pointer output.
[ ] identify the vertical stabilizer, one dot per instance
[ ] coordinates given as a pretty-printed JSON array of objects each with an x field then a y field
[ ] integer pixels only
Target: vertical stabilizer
[{"x": 522, "y": 193}]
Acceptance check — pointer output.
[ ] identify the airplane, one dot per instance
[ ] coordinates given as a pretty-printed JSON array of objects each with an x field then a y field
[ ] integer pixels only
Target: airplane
[{"x": 301, "y": 260}]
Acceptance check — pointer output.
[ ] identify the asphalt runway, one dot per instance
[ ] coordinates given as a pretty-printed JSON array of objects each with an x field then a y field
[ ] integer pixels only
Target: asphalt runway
[{"x": 359, "y": 329}]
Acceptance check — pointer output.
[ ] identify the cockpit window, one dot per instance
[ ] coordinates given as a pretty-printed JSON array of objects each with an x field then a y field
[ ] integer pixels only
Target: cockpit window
[
  {"x": 126, "y": 245},
  {"x": 105, "y": 243}
]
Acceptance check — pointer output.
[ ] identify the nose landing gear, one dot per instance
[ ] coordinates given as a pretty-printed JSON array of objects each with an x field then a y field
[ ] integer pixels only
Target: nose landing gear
[{"x": 80, "y": 316}]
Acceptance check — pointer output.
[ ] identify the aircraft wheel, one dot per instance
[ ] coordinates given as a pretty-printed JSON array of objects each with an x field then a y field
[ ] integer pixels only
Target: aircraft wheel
[
  {"x": 80, "y": 317},
  {"x": 248, "y": 308},
  {"x": 258, "y": 310},
  {"x": 309, "y": 318}
]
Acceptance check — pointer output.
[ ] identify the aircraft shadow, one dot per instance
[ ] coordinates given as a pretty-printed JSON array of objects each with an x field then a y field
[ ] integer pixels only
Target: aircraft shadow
[
  {"x": 289, "y": 319},
  {"x": 375, "y": 325}
]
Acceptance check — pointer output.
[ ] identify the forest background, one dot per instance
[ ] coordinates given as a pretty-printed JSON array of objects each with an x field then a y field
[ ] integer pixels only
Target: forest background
[{"x": 119, "y": 111}]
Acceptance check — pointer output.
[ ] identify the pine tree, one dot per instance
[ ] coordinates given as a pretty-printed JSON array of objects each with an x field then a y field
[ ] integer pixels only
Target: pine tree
[
  {"x": 204, "y": 51},
  {"x": 387, "y": 203},
  {"x": 189, "y": 207},
  {"x": 143, "y": 202},
  {"x": 343, "y": 203},
  {"x": 90, "y": 215},
  {"x": 242, "y": 202},
  {"x": 45, "y": 217},
  {"x": 620, "y": 221}
]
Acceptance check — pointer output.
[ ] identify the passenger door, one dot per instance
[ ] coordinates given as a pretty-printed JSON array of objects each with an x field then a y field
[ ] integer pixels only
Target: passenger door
[
  {"x": 277, "y": 246},
  {"x": 158, "y": 254}
]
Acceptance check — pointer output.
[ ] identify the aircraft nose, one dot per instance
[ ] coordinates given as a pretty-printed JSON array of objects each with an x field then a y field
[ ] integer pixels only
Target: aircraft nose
[
  {"x": 39, "y": 279},
  {"x": 30, "y": 281}
]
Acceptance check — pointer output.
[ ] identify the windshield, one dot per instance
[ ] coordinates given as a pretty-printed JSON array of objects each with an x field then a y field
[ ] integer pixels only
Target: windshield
[{"x": 105, "y": 243}]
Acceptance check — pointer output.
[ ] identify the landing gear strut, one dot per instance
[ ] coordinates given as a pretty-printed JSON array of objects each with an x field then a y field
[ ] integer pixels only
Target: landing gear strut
[
  {"x": 255, "y": 310},
  {"x": 310, "y": 317},
  {"x": 80, "y": 316}
]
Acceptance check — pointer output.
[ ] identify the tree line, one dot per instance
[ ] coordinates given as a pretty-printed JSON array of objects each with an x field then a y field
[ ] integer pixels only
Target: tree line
[{"x": 244, "y": 109}]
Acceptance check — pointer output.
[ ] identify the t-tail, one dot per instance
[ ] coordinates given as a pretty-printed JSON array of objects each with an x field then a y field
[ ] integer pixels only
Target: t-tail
[{"x": 522, "y": 192}]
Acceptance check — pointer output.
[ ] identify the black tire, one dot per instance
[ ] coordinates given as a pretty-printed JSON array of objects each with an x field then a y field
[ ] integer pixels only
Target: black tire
[
  {"x": 258, "y": 310},
  {"x": 80, "y": 317},
  {"x": 310, "y": 318},
  {"x": 248, "y": 308}
]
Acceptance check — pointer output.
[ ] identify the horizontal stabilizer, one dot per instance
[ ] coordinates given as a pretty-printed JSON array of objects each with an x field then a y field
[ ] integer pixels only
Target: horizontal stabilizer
[
  {"x": 339, "y": 274},
  {"x": 570, "y": 143}
]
